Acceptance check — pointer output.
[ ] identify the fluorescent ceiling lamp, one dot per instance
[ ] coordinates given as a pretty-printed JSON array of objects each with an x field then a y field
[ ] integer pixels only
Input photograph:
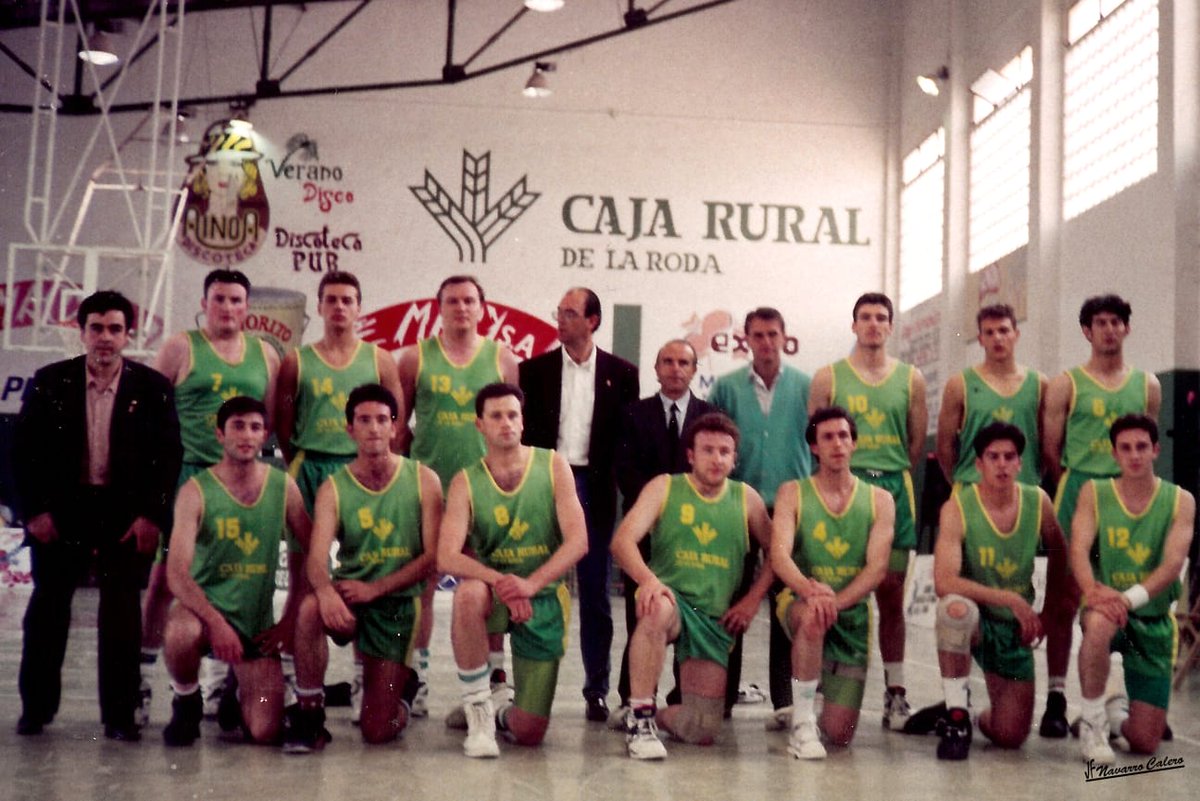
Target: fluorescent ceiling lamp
[
  {"x": 98, "y": 50},
  {"x": 931, "y": 84},
  {"x": 537, "y": 85},
  {"x": 544, "y": 5}
]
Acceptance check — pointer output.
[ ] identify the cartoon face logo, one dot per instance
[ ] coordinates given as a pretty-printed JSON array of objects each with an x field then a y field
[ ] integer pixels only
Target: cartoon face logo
[{"x": 226, "y": 214}]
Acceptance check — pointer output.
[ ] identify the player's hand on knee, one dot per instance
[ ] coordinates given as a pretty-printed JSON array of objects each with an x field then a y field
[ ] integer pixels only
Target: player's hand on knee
[
  {"x": 739, "y": 616},
  {"x": 335, "y": 615},
  {"x": 650, "y": 595},
  {"x": 520, "y": 610},
  {"x": 278, "y": 638},
  {"x": 355, "y": 593},
  {"x": 1031, "y": 624},
  {"x": 225, "y": 643},
  {"x": 510, "y": 588}
]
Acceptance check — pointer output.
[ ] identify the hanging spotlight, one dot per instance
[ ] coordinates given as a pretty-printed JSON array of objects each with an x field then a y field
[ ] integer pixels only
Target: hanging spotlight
[
  {"x": 239, "y": 116},
  {"x": 537, "y": 85},
  {"x": 931, "y": 84},
  {"x": 544, "y": 5},
  {"x": 98, "y": 49}
]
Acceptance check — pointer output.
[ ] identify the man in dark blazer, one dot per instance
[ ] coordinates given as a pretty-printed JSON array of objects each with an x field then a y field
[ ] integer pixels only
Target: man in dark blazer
[
  {"x": 573, "y": 400},
  {"x": 96, "y": 452},
  {"x": 649, "y": 445}
]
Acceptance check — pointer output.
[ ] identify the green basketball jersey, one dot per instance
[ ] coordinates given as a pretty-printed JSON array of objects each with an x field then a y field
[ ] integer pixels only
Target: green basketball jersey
[
  {"x": 321, "y": 394},
  {"x": 515, "y": 532},
  {"x": 698, "y": 546},
  {"x": 237, "y": 550},
  {"x": 209, "y": 382},
  {"x": 1131, "y": 546},
  {"x": 982, "y": 406},
  {"x": 1003, "y": 560},
  {"x": 1092, "y": 413},
  {"x": 832, "y": 548},
  {"x": 379, "y": 531},
  {"x": 881, "y": 413},
  {"x": 445, "y": 438}
]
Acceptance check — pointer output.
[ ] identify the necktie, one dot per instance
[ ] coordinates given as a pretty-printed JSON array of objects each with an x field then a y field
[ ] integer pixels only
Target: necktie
[{"x": 673, "y": 435}]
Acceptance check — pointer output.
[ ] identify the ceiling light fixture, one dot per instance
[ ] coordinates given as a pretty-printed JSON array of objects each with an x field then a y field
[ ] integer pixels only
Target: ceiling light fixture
[
  {"x": 537, "y": 85},
  {"x": 931, "y": 84},
  {"x": 98, "y": 49},
  {"x": 544, "y": 5}
]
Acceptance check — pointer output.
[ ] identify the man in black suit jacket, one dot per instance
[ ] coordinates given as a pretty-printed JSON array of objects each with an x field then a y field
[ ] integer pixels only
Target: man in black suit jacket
[
  {"x": 96, "y": 450},
  {"x": 649, "y": 445},
  {"x": 573, "y": 400}
]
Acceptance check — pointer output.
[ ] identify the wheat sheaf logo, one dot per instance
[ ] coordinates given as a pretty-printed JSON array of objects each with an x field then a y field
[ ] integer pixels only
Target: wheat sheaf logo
[{"x": 473, "y": 224}]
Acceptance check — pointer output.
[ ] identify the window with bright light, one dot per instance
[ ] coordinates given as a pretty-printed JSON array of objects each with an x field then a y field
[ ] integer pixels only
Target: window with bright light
[
  {"x": 1110, "y": 95},
  {"x": 922, "y": 204},
  {"x": 999, "y": 218}
]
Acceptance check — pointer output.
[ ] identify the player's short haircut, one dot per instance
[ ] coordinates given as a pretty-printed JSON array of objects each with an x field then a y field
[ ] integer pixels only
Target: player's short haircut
[
  {"x": 460, "y": 279},
  {"x": 497, "y": 390},
  {"x": 1113, "y": 304},
  {"x": 995, "y": 432},
  {"x": 237, "y": 406},
  {"x": 591, "y": 304},
  {"x": 339, "y": 277},
  {"x": 997, "y": 311},
  {"x": 1134, "y": 422},
  {"x": 767, "y": 314},
  {"x": 713, "y": 422},
  {"x": 823, "y": 415},
  {"x": 684, "y": 342},
  {"x": 873, "y": 299},
  {"x": 366, "y": 393},
  {"x": 222, "y": 276},
  {"x": 103, "y": 302}
]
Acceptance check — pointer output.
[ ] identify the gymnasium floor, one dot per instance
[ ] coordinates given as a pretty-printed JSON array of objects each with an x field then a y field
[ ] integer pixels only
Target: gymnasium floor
[{"x": 71, "y": 760}]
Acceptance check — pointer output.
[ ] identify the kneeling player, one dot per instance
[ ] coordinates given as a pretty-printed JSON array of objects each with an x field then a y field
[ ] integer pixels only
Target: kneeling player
[
  {"x": 830, "y": 545},
  {"x": 517, "y": 511},
  {"x": 229, "y": 520},
  {"x": 384, "y": 511},
  {"x": 699, "y": 525},
  {"x": 1129, "y": 538},
  {"x": 983, "y": 573}
]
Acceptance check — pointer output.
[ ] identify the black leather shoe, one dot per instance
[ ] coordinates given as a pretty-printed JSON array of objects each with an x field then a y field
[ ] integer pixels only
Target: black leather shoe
[
  {"x": 1054, "y": 722},
  {"x": 27, "y": 726},
  {"x": 597, "y": 710},
  {"x": 122, "y": 734}
]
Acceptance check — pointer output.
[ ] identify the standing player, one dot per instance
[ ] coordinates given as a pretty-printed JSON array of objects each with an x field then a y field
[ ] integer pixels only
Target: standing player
[
  {"x": 208, "y": 366},
  {"x": 229, "y": 522},
  {"x": 989, "y": 533},
  {"x": 1081, "y": 405},
  {"x": 995, "y": 390},
  {"x": 1129, "y": 539},
  {"x": 768, "y": 401},
  {"x": 700, "y": 524},
  {"x": 517, "y": 511},
  {"x": 384, "y": 511},
  {"x": 316, "y": 379},
  {"x": 887, "y": 400},
  {"x": 830, "y": 544}
]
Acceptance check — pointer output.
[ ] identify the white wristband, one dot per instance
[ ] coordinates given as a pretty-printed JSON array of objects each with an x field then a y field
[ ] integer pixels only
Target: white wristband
[{"x": 1137, "y": 596}]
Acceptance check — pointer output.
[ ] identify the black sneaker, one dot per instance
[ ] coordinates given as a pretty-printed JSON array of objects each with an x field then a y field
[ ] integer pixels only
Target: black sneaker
[
  {"x": 955, "y": 733},
  {"x": 1054, "y": 719},
  {"x": 306, "y": 731},
  {"x": 229, "y": 709},
  {"x": 186, "y": 713}
]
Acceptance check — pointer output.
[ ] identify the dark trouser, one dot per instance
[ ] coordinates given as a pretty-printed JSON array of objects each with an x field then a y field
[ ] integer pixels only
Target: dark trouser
[
  {"x": 673, "y": 697},
  {"x": 595, "y": 608},
  {"x": 779, "y": 654},
  {"x": 58, "y": 568}
]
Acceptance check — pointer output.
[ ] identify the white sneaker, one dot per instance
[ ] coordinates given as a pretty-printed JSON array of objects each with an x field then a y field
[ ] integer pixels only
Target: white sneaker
[
  {"x": 420, "y": 701},
  {"x": 502, "y": 695},
  {"x": 621, "y": 719},
  {"x": 780, "y": 720},
  {"x": 805, "y": 742},
  {"x": 481, "y": 730},
  {"x": 896, "y": 710},
  {"x": 643, "y": 742},
  {"x": 1093, "y": 742},
  {"x": 1116, "y": 710},
  {"x": 213, "y": 675}
]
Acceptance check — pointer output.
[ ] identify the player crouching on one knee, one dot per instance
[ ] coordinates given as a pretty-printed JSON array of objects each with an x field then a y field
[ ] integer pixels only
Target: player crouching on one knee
[
  {"x": 699, "y": 525},
  {"x": 830, "y": 545}
]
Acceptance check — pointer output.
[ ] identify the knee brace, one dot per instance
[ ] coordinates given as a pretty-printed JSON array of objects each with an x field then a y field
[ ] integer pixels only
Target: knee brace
[
  {"x": 954, "y": 633},
  {"x": 699, "y": 719}
]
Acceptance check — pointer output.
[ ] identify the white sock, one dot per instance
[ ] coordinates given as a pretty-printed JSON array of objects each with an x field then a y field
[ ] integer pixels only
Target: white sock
[
  {"x": 496, "y": 660},
  {"x": 475, "y": 683},
  {"x": 184, "y": 689},
  {"x": 1058, "y": 684},
  {"x": 955, "y": 690},
  {"x": 893, "y": 674},
  {"x": 804, "y": 694},
  {"x": 1093, "y": 711}
]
